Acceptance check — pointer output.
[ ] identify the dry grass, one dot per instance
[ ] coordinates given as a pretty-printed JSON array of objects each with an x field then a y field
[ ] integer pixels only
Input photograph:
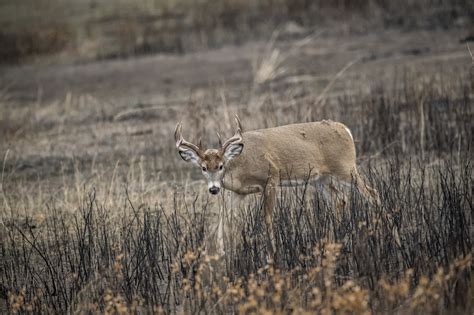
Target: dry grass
[
  {"x": 131, "y": 230},
  {"x": 98, "y": 214},
  {"x": 84, "y": 30}
]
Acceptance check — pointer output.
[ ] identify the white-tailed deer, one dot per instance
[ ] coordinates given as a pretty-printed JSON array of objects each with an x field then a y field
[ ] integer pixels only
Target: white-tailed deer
[{"x": 258, "y": 161}]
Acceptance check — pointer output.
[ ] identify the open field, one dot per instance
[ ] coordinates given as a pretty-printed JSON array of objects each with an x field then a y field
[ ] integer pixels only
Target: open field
[
  {"x": 100, "y": 215},
  {"x": 85, "y": 30},
  {"x": 67, "y": 31}
]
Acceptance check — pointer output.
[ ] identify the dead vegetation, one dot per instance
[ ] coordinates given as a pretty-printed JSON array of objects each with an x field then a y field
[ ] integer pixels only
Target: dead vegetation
[
  {"x": 141, "y": 258},
  {"x": 99, "y": 215},
  {"x": 88, "y": 30},
  {"x": 123, "y": 238}
]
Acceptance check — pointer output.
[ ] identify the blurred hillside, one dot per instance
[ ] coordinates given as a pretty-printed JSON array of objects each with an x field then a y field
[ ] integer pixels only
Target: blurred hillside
[{"x": 67, "y": 30}]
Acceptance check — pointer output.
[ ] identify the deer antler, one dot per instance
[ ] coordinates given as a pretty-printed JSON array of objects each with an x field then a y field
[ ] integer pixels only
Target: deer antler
[
  {"x": 239, "y": 124},
  {"x": 236, "y": 138},
  {"x": 220, "y": 140},
  {"x": 180, "y": 142}
]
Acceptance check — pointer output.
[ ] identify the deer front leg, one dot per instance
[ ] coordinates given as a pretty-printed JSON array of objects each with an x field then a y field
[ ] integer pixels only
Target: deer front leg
[
  {"x": 226, "y": 220},
  {"x": 220, "y": 233},
  {"x": 269, "y": 204}
]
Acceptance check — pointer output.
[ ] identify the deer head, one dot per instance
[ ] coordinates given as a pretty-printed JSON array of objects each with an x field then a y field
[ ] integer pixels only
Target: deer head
[{"x": 212, "y": 162}]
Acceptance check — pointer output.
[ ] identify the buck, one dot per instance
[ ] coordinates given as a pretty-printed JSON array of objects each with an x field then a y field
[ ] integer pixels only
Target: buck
[{"x": 258, "y": 161}]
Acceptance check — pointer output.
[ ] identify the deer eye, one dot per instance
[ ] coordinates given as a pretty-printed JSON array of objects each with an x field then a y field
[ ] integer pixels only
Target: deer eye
[
  {"x": 204, "y": 168},
  {"x": 221, "y": 167}
]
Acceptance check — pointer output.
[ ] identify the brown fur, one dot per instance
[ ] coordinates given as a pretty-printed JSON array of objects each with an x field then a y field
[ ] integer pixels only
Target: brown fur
[
  {"x": 292, "y": 152},
  {"x": 212, "y": 159}
]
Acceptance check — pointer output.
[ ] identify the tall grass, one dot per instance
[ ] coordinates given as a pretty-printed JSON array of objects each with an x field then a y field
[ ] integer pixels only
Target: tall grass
[
  {"x": 101, "y": 246},
  {"x": 151, "y": 257}
]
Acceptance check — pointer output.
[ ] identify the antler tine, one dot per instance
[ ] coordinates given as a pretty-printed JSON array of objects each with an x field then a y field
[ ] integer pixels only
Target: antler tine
[
  {"x": 239, "y": 124},
  {"x": 177, "y": 133},
  {"x": 180, "y": 142},
  {"x": 219, "y": 137}
]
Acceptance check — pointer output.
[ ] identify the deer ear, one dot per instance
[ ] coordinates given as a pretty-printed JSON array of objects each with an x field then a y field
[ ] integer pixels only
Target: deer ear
[
  {"x": 233, "y": 150},
  {"x": 190, "y": 156}
]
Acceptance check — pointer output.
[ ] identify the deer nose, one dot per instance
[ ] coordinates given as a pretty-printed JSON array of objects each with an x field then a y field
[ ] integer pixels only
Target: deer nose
[{"x": 214, "y": 190}]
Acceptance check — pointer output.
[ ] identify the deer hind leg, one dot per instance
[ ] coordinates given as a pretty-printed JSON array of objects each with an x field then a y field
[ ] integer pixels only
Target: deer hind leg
[
  {"x": 338, "y": 199},
  {"x": 368, "y": 192},
  {"x": 334, "y": 196}
]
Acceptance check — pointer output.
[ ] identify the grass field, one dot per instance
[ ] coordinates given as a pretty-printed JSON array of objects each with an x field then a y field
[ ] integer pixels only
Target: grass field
[
  {"x": 99, "y": 214},
  {"x": 83, "y": 30}
]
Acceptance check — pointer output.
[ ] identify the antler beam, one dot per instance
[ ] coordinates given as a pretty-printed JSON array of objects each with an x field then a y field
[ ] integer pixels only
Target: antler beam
[
  {"x": 236, "y": 138},
  {"x": 181, "y": 142}
]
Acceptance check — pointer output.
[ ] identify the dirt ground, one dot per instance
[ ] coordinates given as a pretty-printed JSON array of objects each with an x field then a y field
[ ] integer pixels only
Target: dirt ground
[
  {"x": 162, "y": 79},
  {"x": 62, "y": 115}
]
